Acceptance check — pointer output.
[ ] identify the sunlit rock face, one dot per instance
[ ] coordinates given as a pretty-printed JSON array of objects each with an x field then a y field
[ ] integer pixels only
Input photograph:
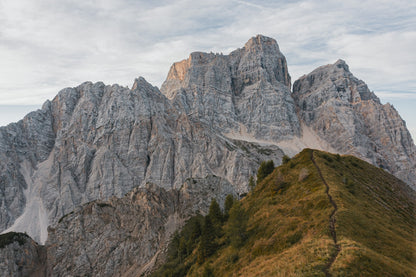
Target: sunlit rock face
[{"x": 247, "y": 91}]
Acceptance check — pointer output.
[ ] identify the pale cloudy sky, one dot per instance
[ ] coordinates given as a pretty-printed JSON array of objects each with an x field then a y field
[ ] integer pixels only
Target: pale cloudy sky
[{"x": 46, "y": 45}]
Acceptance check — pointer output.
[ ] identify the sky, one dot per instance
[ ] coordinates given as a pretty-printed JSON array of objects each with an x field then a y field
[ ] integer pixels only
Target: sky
[{"x": 47, "y": 45}]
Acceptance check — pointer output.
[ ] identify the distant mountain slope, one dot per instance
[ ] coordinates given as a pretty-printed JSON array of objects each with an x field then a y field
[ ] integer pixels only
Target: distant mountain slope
[
  {"x": 246, "y": 95},
  {"x": 247, "y": 90},
  {"x": 124, "y": 236},
  {"x": 320, "y": 214},
  {"x": 95, "y": 141},
  {"x": 350, "y": 118},
  {"x": 215, "y": 115}
]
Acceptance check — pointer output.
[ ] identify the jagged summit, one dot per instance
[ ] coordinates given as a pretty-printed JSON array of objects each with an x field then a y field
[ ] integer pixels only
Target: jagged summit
[
  {"x": 247, "y": 91},
  {"x": 95, "y": 141},
  {"x": 337, "y": 76},
  {"x": 259, "y": 59},
  {"x": 342, "y": 110},
  {"x": 342, "y": 64}
]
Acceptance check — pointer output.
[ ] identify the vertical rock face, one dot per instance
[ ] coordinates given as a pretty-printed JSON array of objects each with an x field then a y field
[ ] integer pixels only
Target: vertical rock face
[
  {"x": 247, "y": 91},
  {"x": 96, "y": 141},
  {"x": 347, "y": 115},
  {"x": 21, "y": 256},
  {"x": 27, "y": 142},
  {"x": 127, "y": 236}
]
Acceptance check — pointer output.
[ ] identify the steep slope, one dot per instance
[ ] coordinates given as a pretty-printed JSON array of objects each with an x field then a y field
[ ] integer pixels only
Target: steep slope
[
  {"x": 246, "y": 96},
  {"x": 222, "y": 115},
  {"x": 350, "y": 118},
  {"x": 21, "y": 256},
  {"x": 124, "y": 236},
  {"x": 95, "y": 141},
  {"x": 245, "y": 92},
  {"x": 319, "y": 215}
]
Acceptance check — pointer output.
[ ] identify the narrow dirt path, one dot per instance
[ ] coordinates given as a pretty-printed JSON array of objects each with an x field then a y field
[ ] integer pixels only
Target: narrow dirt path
[{"x": 332, "y": 220}]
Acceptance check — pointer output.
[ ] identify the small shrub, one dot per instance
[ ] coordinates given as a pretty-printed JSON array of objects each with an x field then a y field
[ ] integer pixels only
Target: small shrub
[
  {"x": 9, "y": 238},
  {"x": 292, "y": 239},
  {"x": 264, "y": 170},
  {"x": 338, "y": 157},
  {"x": 285, "y": 159},
  {"x": 251, "y": 183},
  {"x": 103, "y": 204}
]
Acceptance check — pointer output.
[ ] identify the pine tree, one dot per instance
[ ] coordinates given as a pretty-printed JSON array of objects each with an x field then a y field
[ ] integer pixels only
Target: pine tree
[
  {"x": 264, "y": 170},
  {"x": 251, "y": 183},
  {"x": 228, "y": 204},
  {"x": 174, "y": 246},
  {"x": 215, "y": 213},
  {"x": 237, "y": 225},
  {"x": 207, "y": 244},
  {"x": 285, "y": 159}
]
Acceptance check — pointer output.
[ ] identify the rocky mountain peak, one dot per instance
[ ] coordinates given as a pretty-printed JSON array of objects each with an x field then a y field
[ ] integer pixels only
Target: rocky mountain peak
[
  {"x": 140, "y": 82},
  {"x": 342, "y": 64},
  {"x": 261, "y": 59},
  {"x": 220, "y": 89},
  {"x": 342, "y": 110},
  {"x": 341, "y": 84},
  {"x": 262, "y": 43}
]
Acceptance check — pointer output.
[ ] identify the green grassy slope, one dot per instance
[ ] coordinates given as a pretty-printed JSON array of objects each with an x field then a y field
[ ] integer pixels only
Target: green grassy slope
[{"x": 293, "y": 228}]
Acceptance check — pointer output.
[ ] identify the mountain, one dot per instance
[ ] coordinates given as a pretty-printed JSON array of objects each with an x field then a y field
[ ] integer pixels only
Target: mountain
[
  {"x": 246, "y": 95},
  {"x": 124, "y": 236},
  {"x": 246, "y": 91},
  {"x": 350, "y": 118},
  {"x": 97, "y": 153},
  {"x": 319, "y": 214},
  {"x": 95, "y": 141}
]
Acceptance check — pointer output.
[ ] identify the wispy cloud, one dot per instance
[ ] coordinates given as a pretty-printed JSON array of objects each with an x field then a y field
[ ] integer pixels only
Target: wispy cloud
[{"x": 46, "y": 45}]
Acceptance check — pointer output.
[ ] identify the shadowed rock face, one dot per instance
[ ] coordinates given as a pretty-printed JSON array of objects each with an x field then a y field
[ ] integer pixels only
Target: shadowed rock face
[
  {"x": 249, "y": 90},
  {"x": 22, "y": 256},
  {"x": 347, "y": 115},
  {"x": 125, "y": 236}
]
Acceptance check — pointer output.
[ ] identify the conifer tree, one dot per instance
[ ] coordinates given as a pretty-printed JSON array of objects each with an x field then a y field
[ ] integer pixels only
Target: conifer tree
[
  {"x": 215, "y": 213},
  {"x": 237, "y": 225},
  {"x": 251, "y": 183},
  {"x": 228, "y": 204},
  {"x": 264, "y": 170},
  {"x": 207, "y": 244}
]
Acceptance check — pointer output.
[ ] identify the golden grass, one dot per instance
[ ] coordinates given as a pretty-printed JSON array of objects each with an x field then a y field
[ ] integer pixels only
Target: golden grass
[{"x": 288, "y": 223}]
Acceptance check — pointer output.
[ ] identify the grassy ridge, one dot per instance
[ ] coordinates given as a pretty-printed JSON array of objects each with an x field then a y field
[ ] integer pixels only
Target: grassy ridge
[{"x": 288, "y": 230}]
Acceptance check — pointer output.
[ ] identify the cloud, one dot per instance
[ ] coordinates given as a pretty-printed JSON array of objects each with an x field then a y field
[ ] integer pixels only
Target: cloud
[{"x": 46, "y": 45}]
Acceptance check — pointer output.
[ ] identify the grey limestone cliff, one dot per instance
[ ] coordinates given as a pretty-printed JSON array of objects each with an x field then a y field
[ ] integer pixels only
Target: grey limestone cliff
[
  {"x": 125, "y": 236},
  {"x": 20, "y": 256},
  {"x": 246, "y": 95},
  {"x": 95, "y": 141},
  {"x": 350, "y": 118},
  {"x": 246, "y": 91},
  {"x": 90, "y": 153}
]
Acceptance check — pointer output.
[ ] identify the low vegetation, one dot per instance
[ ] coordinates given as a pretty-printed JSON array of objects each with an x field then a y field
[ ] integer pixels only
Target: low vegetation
[
  {"x": 281, "y": 228},
  {"x": 8, "y": 238}
]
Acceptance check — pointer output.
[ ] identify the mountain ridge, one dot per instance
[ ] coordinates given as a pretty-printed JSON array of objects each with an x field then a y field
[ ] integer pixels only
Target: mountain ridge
[
  {"x": 319, "y": 214},
  {"x": 314, "y": 203},
  {"x": 215, "y": 115}
]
